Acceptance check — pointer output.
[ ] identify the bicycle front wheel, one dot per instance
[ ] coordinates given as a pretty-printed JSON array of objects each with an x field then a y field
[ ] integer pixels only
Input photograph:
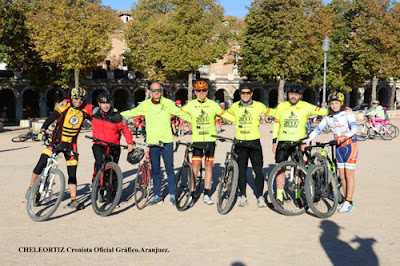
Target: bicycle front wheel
[
  {"x": 322, "y": 197},
  {"x": 184, "y": 186},
  {"x": 21, "y": 138},
  {"x": 228, "y": 187},
  {"x": 46, "y": 195},
  {"x": 106, "y": 193},
  {"x": 288, "y": 177},
  {"x": 142, "y": 185},
  {"x": 388, "y": 132}
]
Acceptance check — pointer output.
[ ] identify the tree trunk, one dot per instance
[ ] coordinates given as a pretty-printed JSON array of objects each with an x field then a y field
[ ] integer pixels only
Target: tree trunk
[
  {"x": 393, "y": 95},
  {"x": 76, "y": 74},
  {"x": 281, "y": 89},
  {"x": 373, "y": 90},
  {"x": 190, "y": 87}
]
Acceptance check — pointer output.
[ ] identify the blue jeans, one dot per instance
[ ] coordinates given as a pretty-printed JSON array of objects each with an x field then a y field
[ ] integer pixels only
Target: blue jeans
[{"x": 168, "y": 157}]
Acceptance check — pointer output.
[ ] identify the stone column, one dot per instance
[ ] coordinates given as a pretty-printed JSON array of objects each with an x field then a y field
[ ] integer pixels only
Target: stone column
[{"x": 19, "y": 114}]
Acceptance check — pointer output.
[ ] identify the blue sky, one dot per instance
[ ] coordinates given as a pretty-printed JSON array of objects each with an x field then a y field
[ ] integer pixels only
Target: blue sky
[{"x": 235, "y": 8}]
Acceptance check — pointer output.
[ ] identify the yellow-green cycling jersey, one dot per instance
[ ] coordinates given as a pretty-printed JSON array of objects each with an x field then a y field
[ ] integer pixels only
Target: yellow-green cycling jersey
[
  {"x": 290, "y": 120},
  {"x": 247, "y": 119},
  {"x": 203, "y": 114}
]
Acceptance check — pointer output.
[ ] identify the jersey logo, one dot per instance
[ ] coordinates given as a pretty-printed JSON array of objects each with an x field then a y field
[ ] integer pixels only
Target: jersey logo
[
  {"x": 74, "y": 120},
  {"x": 292, "y": 121},
  {"x": 246, "y": 118},
  {"x": 202, "y": 118}
]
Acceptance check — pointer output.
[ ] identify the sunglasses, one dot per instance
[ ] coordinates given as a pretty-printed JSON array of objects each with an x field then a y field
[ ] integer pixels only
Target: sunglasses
[
  {"x": 155, "y": 90},
  {"x": 245, "y": 92},
  {"x": 201, "y": 90},
  {"x": 79, "y": 99}
]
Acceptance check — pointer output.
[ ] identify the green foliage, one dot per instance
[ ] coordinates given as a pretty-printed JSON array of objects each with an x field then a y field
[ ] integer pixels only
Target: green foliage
[
  {"x": 171, "y": 38},
  {"x": 73, "y": 34}
]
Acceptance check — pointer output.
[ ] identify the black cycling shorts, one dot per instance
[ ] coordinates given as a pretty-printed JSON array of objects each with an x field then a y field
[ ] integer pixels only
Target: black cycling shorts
[
  {"x": 209, "y": 154},
  {"x": 281, "y": 154}
]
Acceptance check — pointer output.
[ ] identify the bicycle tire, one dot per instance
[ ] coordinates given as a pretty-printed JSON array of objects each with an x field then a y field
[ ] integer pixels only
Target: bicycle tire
[
  {"x": 142, "y": 185},
  {"x": 21, "y": 138},
  {"x": 46, "y": 206},
  {"x": 371, "y": 134},
  {"x": 289, "y": 206},
  {"x": 112, "y": 190},
  {"x": 321, "y": 200},
  {"x": 362, "y": 133},
  {"x": 227, "y": 187},
  {"x": 396, "y": 130},
  {"x": 388, "y": 132},
  {"x": 184, "y": 184}
]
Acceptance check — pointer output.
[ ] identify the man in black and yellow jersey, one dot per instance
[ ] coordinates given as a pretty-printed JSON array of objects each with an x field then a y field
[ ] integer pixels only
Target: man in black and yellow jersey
[{"x": 69, "y": 121}]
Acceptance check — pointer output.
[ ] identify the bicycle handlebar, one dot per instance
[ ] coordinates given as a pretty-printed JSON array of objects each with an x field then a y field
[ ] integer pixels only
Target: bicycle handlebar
[
  {"x": 323, "y": 144},
  {"x": 57, "y": 148},
  {"x": 190, "y": 145},
  {"x": 160, "y": 144},
  {"x": 236, "y": 141},
  {"x": 106, "y": 142},
  {"x": 287, "y": 146}
]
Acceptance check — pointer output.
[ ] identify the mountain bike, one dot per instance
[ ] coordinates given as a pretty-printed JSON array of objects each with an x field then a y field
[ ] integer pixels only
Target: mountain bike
[
  {"x": 48, "y": 190},
  {"x": 294, "y": 173},
  {"x": 321, "y": 183},
  {"x": 107, "y": 184},
  {"x": 27, "y": 136},
  {"x": 228, "y": 182},
  {"x": 185, "y": 179},
  {"x": 144, "y": 182}
]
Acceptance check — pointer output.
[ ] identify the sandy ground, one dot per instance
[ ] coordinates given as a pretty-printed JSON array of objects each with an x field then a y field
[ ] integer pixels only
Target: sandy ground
[{"x": 369, "y": 235}]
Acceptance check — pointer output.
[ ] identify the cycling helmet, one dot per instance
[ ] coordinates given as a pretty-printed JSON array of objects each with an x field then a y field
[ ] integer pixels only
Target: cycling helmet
[
  {"x": 246, "y": 86},
  {"x": 104, "y": 97},
  {"x": 375, "y": 102},
  {"x": 135, "y": 156},
  {"x": 295, "y": 88},
  {"x": 200, "y": 84},
  {"x": 78, "y": 92},
  {"x": 177, "y": 102},
  {"x": 336, "y": 96}
]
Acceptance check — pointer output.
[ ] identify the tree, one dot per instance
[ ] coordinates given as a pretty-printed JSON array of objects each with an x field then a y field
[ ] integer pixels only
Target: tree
[
  {"x": 169, "y": 39},
  {"x": 283, "y": 41},
  {"x": 75, "y": 34},
  {"x": 371, "y": 28},
  {"x": 393, "y": 42}
]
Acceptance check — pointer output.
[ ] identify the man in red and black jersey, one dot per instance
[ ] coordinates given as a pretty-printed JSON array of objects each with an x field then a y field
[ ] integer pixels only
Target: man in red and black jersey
[
  {"x": 108, "y": 125},
  {"x": 69, "y": 118}
]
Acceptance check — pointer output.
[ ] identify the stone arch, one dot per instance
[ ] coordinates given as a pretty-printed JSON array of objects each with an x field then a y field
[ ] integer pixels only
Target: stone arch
[
  {"x": 220, "y": 95},
  {"x": 139, "y": 95},
  {"x": 273, "y": 98},
  {"x": 367, "y": 95},
  {"x": 182, "y": 95},
  {"x": 122, "y": 98},
  {"x": 354, "y": 97},
  {"x": 236, "y": 96},
  {"x": 383, "y": 96},
  {"x": 309, "y": 95},
  {"x": 94, "y": 93},
  {"x": 30, "y": 101},
  {"x": 258, "y": 94},
  {"x": 51, "y": 97},
  {"x": 8, "y": 105}
]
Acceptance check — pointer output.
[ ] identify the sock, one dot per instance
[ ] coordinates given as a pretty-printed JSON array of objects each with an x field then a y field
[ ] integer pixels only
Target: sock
[
  {"x": 298, "y": 193},
  {"x": 279, "y": 194},
  {"x": 349, "y": 200},
  {"x": 72, "y": 199},
  {"x": 206, "y": 191}
]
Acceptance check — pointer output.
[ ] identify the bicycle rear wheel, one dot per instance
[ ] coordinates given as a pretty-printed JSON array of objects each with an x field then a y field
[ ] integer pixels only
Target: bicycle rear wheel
[
  {"x": 290, "y": 204},
  {"x": 184, "y": 186},
  {"x": 106, "y": 196},
  {"x": 43, "y": 202},
  {"x": 396, "y": 129},
  {"x": 321, "y": 198},
  {"x": 142, "y": 185},
  {"x": 228, "y": 187}
]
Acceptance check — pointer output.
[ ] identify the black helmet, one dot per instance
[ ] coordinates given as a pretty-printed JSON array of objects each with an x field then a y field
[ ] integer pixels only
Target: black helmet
[
  {"x": 135, "y": 156},
  {"x": 104, "y": 97},
  {"x": 295, "y": 88},
  {"x": 244, "y": 86}
]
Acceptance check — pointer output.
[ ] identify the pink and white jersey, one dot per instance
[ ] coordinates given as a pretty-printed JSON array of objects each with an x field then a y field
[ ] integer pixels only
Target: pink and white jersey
[{"x": 342, "y": 123}]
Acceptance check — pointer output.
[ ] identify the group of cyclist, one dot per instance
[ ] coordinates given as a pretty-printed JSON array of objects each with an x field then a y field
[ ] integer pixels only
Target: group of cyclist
[{"x": 289, "y": 125}]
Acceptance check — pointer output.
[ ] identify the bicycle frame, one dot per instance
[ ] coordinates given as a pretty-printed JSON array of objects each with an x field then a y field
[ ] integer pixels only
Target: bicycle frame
[{"x": 51, "y": 163}]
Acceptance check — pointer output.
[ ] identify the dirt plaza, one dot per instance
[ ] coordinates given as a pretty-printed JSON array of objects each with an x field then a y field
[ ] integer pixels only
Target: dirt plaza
[{"x": 369, "y": 235}]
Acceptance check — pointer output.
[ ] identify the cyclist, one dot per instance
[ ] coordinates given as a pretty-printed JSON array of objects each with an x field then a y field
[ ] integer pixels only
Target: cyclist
[
  {"x": 290, "y": 125},
  {"x": 247, "y": 120},
  {"x": 203, "y": 112},
  {"x": 343, "y": 124},
  {"x": 157, "y": 111},
  {"x": 377, "y": 112},
  {"x": 69, "y": 122},
  {"x": 108, "y": 125}
]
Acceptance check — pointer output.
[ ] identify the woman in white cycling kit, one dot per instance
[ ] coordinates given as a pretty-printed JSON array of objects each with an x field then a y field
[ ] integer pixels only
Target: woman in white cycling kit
[{"x": 344, "y": 127}]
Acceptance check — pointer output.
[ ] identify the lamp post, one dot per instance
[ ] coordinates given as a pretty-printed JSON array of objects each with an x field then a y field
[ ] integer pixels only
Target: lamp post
[{"x": 325, "y": 47}]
